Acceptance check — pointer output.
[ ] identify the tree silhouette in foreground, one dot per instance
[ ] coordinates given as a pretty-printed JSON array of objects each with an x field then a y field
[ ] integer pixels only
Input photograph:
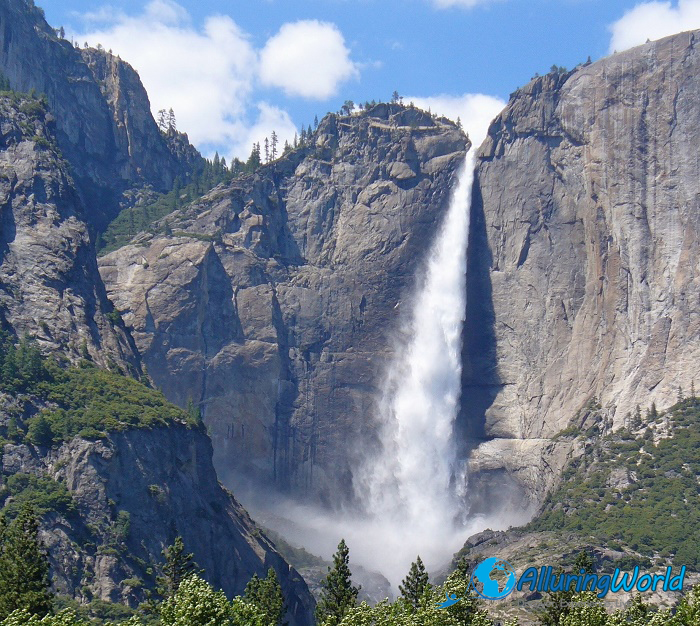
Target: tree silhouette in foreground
[
  {"x": 338, "y": 595},
  {"x": 415, "y": 584},
  {"x": 24, "y": 567}
]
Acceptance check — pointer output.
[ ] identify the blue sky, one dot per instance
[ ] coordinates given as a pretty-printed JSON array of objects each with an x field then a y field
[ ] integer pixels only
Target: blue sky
[{"x": 235, "y": 70}]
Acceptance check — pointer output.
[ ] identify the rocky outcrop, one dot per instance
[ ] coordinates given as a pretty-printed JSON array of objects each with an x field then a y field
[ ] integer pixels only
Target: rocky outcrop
[
  {"x": 273, "y": 301},
  {"x": 585, "y": 227},
  {"x": 103, "y": 121},
  {"x": 133, "y": 493},
  {"x": 49, "y": 283}
]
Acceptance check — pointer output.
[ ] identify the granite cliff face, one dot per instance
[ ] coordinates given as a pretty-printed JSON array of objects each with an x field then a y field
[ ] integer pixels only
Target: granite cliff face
[
  {"x": 133, "y": 493},
  {"x": 103, "y": 122},
  {"x": 49, "y": 284},
  {"x": 272, "y": 303},
  {"x": 583, "y": 279},
  {"x": 67, "y": 160}
]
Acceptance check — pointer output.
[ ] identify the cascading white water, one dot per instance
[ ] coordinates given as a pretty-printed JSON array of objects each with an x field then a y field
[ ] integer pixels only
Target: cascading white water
[
  {"x": 411, "y": 479},
  {"x": 410, "y": 485}
]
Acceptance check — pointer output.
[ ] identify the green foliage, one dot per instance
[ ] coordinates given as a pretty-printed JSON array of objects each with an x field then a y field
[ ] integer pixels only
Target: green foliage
[
  {"x": 142, "y": 218},
  {"x": 42, "y": 493},
  {"x": 196, "y": 604},
  {"x": 4, "y": 82},
  {"x": 178, "y": 566},
  {"x": 338, "y": 595},
  {"x": 586, "y": 609},
  {"x": 99, "y": 612},
  {"x": 91, "y": 398},
  {"x": 22, "y": 617},
  {"x": 85, "y": 400},
  {"x": 414, "y": 586},
  {"x": 119, "y": 532},
  {"x": 266, "y": 595},
  {"x": 24, "y": 567},
  {"x": 194, "y": 412},
  {"x": 33, "y": 107},
  {"x": 401, "y": 613},
  {"x": 40, "y": 432},
  {"x": 254, "y": 160},
  {"x": 21, "y": 365},
  {"x": 115, "y": 318},
  {"x": 688, "y": 610},
  {"x": 648, "y": 509}
]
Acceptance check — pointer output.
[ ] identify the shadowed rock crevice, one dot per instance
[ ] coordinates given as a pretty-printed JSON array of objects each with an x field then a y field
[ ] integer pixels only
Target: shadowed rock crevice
[{"x": 480, "y": 377}]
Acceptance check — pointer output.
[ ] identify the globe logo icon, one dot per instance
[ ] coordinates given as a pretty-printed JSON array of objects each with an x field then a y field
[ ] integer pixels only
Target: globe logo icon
[{"x": 493, "y": 579}]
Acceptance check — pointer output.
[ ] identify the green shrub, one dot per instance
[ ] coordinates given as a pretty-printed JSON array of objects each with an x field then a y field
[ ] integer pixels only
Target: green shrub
[
  {"x": 653, "y": 512},
  {"x": 42, "y": 492}
]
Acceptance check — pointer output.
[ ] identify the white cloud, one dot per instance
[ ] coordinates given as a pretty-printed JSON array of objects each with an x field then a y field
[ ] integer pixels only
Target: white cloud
[
  {"x": 205, "y": 75},
  {"x": 269, "y": 118},
  {"x": 307, "y": 58},
  {"x": 209, "y": 74},
  {"x": 654, "y": 20},
  {"x": 475, "y": 110}
]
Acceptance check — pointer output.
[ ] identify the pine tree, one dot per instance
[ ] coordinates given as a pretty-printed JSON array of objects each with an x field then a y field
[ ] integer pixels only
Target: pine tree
[
  {"x": 637, "y": 419},
  {"x": 162, "y": 121},
  {"x": 178, "y": 566},
  {"x": 253, "y": 161},
  {"x": 24, "y": 567},
  {"x": 40, "y": 432},
  {"x": 415, "y": 584},
  {"x": 338, "y": 595},
  {"x": 315, "y": 122},
  {"x": 266, "y": 595},
  {"x": 172, "y": 126},
  {"x": 13, "y": 431},
  {"x": 273, "y": 145}
]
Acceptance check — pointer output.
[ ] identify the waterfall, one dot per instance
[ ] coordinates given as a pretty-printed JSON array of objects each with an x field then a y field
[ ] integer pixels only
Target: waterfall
[
  {"x": 410, "y": 485},
  {"x": 412, "y": 489}
]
